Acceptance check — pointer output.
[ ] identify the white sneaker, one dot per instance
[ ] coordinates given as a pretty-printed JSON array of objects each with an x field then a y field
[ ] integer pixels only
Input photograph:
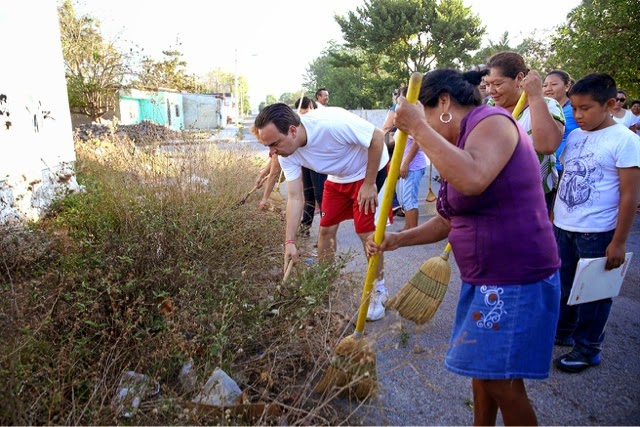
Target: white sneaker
[{"x": 376, "y": 305}]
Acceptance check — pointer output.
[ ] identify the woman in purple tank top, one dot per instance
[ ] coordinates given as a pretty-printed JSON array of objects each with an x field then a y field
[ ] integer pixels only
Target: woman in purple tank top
[{"x": 491, "y": 207}]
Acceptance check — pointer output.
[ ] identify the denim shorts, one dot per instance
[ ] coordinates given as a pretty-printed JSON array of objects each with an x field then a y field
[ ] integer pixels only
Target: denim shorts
[
  {"x": 407, "y": 189},
  {"x": 505, "y": 331}
]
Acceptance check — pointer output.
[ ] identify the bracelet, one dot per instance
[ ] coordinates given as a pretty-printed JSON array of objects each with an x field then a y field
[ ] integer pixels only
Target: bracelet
[{"x": 289, "y": 242}]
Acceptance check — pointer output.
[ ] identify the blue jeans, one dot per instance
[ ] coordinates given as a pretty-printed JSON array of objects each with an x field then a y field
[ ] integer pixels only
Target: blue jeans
[{"x": 586, "y": 322}]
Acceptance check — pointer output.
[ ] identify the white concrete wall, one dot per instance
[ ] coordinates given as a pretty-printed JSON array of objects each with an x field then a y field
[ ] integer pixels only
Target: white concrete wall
[
  {"x": 377, "y": 117},
  {"x": 202, "y": 111},
  {"x": 36, "y": 140}
]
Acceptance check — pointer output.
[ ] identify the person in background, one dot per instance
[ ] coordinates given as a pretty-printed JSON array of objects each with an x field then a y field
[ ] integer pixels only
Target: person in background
[
  {"x": 322, "y": 97},
  {"x": 635, "y": 110},
  {"x": 594, "y": 211},
  {"x": 620, "y": 114},
  {"x": 412, "y": 169},
  {"x": 509, "y": 299},
  {"x": 351, "y": 151},
  {"x": 542, "y": 118},
  {"x": 556, "y": 85},
  {"x": 483, "y": 91},
  {"x": 312, "y": 181},
  {"x": 389, "y": 130}
]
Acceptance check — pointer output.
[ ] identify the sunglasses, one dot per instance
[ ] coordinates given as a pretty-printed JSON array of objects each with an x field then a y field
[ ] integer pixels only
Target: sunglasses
[{"x": 621, "y": 99}]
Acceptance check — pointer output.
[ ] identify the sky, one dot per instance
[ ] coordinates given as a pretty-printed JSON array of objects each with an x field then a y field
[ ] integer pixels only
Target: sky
[{"x": 273, "y": 42}]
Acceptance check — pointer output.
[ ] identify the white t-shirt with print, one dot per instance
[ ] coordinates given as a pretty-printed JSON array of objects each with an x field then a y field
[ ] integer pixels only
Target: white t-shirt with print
[
  {"x": 589, "y": 191},
  {"x": 337, "y": 145}
]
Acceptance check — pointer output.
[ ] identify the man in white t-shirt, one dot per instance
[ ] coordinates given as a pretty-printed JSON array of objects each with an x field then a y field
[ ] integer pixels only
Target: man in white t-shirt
[
  {"x": 322, "y": 97},
  {"x": 351, "y": 152}
]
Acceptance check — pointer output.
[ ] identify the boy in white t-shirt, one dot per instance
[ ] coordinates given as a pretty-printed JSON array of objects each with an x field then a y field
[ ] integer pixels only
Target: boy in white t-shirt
[
  {"x": 347, "y": 148},
  {"x": 594, "y": 210}
]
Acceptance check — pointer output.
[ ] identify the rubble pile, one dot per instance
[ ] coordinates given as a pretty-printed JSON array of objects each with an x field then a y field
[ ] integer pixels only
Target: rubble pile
[{"x": 141, "y": 133}]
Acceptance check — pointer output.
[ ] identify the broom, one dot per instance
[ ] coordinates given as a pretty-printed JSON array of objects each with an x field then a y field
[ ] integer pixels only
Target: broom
[
  {"x": 353, "y": 367},
  {"x": 253, "y": 190},
  {"x": 419, "y": 299},
  {"x": 431, "y": 196}
]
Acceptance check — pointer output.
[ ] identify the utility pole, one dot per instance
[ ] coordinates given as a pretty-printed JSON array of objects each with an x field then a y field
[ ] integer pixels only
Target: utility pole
[{"x": 235, "y": 94}]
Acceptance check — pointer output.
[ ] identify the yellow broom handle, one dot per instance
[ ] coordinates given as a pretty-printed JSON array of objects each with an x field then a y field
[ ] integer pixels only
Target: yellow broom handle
[
  {"x": 390, "y": 187},
  {"x": 520, "y": 105}
]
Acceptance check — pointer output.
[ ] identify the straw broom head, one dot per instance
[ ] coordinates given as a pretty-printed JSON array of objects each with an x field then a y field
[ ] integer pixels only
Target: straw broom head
[
  {"x": 419, "y": 299},
  {"x": 352, "y": 370}
]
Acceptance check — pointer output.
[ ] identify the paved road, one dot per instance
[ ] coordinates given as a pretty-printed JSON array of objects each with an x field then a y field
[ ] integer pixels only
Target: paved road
[{"x": 415, "y": 389}]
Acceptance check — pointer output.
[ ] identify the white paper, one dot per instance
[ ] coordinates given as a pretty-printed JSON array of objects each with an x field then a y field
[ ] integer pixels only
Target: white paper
[{"x": 592, "y": 282}]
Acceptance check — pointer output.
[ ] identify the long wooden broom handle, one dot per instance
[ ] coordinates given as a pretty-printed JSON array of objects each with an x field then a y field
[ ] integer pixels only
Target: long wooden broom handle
[
  {"x": 390, "y": 186},
  {"x": 520, "y": 105}
]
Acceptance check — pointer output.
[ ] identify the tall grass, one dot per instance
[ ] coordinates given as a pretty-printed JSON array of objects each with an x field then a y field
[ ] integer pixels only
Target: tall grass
[{"x": 154, "y": 265}]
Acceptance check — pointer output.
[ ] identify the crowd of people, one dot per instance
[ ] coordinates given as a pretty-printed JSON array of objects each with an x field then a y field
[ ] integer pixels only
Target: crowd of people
[{"x": 522, "y": 199}]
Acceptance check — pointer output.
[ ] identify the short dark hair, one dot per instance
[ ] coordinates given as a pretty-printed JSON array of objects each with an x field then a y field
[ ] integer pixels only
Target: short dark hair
[
  {"x": 280, "y": 114},
  {"x": 509, "y": 63},
  {"x": 601, "y": 87},
  {"x": 306, "y": 101},
  {"x": 319, "y": 91},
  {"x": 461, "y": 87}
]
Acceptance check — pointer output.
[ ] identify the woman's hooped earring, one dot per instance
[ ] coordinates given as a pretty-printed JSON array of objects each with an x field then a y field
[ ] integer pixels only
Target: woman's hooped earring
[{"x": 448, "y": 120}]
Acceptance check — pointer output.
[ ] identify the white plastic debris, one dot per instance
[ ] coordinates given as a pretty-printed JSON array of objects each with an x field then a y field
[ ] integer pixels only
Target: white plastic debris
[
  {"x": 187, "y": 377},
  {"x": 219, "y": 390},
  {"x": 133, "y": 387}
]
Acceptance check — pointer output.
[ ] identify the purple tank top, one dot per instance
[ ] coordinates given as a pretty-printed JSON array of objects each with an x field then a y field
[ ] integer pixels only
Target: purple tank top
[{"x": 504, "y": 235}]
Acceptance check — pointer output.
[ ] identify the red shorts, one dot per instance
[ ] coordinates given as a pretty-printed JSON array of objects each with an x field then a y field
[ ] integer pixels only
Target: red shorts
[{"x": 340, "y": 203}]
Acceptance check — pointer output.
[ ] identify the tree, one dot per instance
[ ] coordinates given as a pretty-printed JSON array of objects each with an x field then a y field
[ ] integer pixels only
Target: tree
[
  {"x": 535, "y": 50},
  {"x": 601, "y": 36},
  {"x": 94, "y": 69},
  {"x": 290, "y": 98},
  {"x": 354, "y": 78},
  {"x": 271, "y": 99},
  {"x": 168, "y": 73},
  {"x": 387, "y": 40},
  {"x": 217, "y": 81},
  {"x": 481, "y": 57},
  {"x": 415, "y": 35}
]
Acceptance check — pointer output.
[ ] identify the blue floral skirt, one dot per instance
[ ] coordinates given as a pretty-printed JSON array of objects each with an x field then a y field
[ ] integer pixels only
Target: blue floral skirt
[{"x": 505, "y": 331}]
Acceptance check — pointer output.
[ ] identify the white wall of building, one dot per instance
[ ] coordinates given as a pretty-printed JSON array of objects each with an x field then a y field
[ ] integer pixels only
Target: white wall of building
[{"x": 36, "y": 140}]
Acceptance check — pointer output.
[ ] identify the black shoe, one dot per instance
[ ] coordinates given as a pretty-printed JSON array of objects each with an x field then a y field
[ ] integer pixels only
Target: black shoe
[
  {"x": 574, "y": 361},
  {"x": 564, "y": 342},
  {"x": 304, "y": 230}
]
